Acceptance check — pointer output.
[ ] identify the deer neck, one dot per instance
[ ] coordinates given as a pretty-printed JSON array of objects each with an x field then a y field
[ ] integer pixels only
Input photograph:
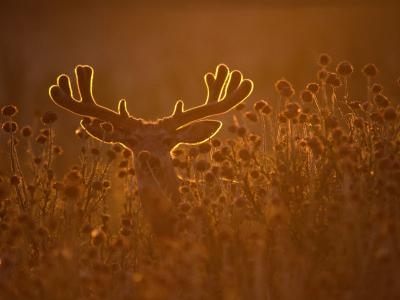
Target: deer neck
[{"x": 158, "y": 191}]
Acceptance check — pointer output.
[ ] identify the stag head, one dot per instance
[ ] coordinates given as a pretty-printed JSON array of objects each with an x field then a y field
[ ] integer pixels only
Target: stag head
[{"x": 225, "y": 90}]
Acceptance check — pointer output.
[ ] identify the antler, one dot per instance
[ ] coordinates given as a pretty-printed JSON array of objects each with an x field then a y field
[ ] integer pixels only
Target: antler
[
  {"x": 225, "y": 90},
  {"x": 61, "y": 94}
]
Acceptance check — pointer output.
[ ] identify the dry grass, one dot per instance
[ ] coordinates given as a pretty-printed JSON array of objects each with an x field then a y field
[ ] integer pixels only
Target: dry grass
[{"x": 300, "y": 202}]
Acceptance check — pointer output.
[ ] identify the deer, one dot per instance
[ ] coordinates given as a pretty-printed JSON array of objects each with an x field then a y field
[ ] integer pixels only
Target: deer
[{"x": 152, "y": 142}]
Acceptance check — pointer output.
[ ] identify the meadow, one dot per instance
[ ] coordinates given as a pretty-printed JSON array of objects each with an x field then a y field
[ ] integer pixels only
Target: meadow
[{"x": 300, "y": 200}]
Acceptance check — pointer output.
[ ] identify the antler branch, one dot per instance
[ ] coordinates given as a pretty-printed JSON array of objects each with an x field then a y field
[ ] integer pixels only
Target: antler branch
[
  {"x": 225, "y": 90},
  {"x": 86, "y": 106}
]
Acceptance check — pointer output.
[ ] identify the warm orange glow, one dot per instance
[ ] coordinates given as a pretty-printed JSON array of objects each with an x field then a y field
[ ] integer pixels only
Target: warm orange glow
[{"x": 282, "y": 186}]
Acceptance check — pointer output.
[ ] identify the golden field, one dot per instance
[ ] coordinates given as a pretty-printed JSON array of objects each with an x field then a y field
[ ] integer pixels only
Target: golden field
[{"x": 298, "y": 200}]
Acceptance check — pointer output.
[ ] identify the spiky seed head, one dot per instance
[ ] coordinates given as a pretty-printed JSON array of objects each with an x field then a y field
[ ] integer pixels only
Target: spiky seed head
[
  {"x": 15, "y": 180},
  {"x": 313, "y": 87},
  {"x": 303, "y": 118},
  {"x": 216, "y": 143},
  {"x": 49, "y": 117},
  {"x": 344, "y": 68},
  {"x": 315, "y": 119},
  {"x": 251, "y": 116},
  {"x": 9, "y": 110},
  {"x": 126, "y": 153},
  {"x": 333, "y": 80},
  {"x": 381, "y": 100},
  {"x": 218, "y": 157},
  {"x": 390, "y": 114},
  {"x": 377, "y": 88},
  {"x": 284, "y": 88},
  {"x": 370, "y": 70},
  {"x": 259, "y": 105},
  {"x": 106, "y": 184},
  {"x": 331, "y": 122},
  {"x": 292, "y": 110},
  {"x": 307, "y": 96},
  {"x": 282, "y": 118},
  {"x": 324, "y": 60},
  {"x": 10, "y": 127},
  {"x": 266, "y": 110},
  {"x": 26, "y": 131}
]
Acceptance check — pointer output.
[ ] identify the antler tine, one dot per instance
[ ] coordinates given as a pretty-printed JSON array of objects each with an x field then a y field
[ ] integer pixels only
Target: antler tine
[
  {"x": 86, "y": 106},
  {"x": 225, "y": 90},
  {"x": 84, "y": 78},
  {"x": 122, "y": 110},
  {"x": 215, "y": 84}
]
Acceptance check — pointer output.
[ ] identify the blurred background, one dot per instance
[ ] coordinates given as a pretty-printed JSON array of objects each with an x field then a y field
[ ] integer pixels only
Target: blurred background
[{"x": 153, "y": 54}]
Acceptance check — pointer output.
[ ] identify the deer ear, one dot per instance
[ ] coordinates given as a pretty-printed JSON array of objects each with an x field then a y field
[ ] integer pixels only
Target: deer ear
[
  {"x": 197, "y": 132},
  {"x": 94, "y": 129}
]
